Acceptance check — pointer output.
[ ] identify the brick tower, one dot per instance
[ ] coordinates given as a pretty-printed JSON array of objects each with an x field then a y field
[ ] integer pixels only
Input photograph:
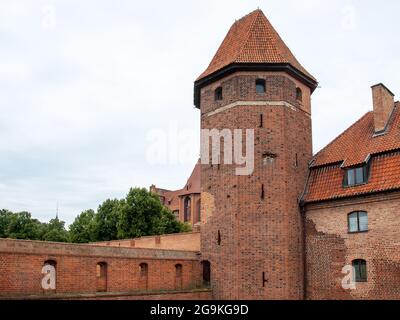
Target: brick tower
[{"x": 251, "y": 224}]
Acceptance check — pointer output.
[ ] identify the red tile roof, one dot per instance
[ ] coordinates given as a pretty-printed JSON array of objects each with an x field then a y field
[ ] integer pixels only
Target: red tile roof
[
  {"x": 326, "y": 183},
  {"x": 352, "y": 148},
  {"x": 354, "y": 145},
  {"x": 253, "y": 39}
]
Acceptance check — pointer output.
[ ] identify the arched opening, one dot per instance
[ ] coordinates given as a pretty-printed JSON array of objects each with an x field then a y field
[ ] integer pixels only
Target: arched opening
[
  {"x": 49, "y": 281},
  {"x": 206, "y": 273},
  {"x": 187, "y": 209},
  {"x": 143, "y": 276},
  {"x": 178, "y": 276},
  {"x": 218, "y": 94},
  {"x": 299, "y": 94},
  {"x": 101, "y": 277},
  {"x": 260, "y": 86}
]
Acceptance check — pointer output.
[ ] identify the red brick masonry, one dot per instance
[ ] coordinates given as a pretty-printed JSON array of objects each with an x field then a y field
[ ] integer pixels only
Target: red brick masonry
[{"x": 21, "y": 263}]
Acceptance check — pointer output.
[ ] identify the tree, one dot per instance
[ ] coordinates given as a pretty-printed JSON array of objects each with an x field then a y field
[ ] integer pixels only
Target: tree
[
  {"x": 142, "y": 214},
  {"x": 55, "y": 231},
  {"x": 5, "y": 219},
  {"x": 106, "y": 219},
  {"x": 169, "y": 224},
  {"x": 82, "y": 230},
  {"x": 22, "y": 226}
]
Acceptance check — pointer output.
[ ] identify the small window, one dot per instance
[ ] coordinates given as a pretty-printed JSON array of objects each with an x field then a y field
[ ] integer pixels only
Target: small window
[
  {"x": 260, "y": 86},
  {"x": 218, "y": 94},
  {"x": 143, "y": 269},
  {"x": 360, "y": 270},
  {"x": 101, "y": 270},
  {"x": 299, "y": 94},
  {"x": 356, "y": 176},
  {"x": 358, "y": 222},
  {"x": 50, "y": 263},
  {"x": 178, "y": 270}
]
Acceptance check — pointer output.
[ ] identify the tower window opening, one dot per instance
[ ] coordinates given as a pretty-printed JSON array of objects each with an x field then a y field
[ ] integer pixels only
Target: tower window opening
[
  {"x": 261, "y": 120},
  {"x": 299, "y": 94},
  {"x": 218, "y": 94},
  {"x": 260, "y": 86},
  {"x": 219, "y": 238},
  {"x": 262, "y": 192}
]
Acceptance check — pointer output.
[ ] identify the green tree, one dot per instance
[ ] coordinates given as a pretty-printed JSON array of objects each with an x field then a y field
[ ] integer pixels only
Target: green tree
[
  {"x": 169, "y": 224},
  {"x": 142, "y": 214},
  {"x": 22, "y": 226},
  {"x": 82, "y": 230},
  {"x": 106, "y": 220},
  {"x": 55, "y": 231},
  {"x": 5, "y": 219}
]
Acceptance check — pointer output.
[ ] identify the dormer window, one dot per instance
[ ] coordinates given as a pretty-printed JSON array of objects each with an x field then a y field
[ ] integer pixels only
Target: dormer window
[
  {"x": 218, "y": 94},
  {"x": 260, "y": 86},
  {"x": 356, "y": 176}
]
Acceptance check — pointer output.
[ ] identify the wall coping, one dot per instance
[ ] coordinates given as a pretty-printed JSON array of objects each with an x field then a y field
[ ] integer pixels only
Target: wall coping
[
  {"x": 63, "y": 249},
  {"x": 149, "y": 237},
  {"x": 105, "y": 295}
]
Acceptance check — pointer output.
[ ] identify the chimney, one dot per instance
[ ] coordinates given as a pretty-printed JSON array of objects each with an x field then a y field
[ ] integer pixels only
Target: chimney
[{"x": 383, "y": 100}]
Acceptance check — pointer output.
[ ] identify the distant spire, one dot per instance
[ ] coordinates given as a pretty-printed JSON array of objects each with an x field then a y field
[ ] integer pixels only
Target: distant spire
[{"x": 57, "y": 211}]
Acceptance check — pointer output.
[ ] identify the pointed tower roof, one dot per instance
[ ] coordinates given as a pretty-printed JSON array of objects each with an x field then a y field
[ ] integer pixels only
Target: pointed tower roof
[{"x": 251, "y": 43}]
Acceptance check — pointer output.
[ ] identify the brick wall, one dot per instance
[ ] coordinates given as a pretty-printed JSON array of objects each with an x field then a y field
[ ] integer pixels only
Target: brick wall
[
  {"x": 181, "y": 241},
  {"x": 257, "y": 235},
  {"x": 21, "y": 263},
  {"x": 195, "y": 294},
  {"x": 330, "y": 247}
]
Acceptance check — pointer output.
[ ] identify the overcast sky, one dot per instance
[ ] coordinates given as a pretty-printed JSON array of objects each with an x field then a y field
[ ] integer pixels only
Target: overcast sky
[{"x": 85, "y": 86}]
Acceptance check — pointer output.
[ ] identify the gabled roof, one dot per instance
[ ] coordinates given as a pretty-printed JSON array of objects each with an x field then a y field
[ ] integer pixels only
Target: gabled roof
[
  {"x": 353, "y": 147},
  {"x": 253, "y": 39},
  {"x": 359, "y": 141},
  {"x": 326, "y": 183}
]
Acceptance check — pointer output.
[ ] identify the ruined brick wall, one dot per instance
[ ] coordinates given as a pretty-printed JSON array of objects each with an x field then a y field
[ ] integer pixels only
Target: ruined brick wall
[
  {"x": 180, "y": 241},
  {"x": 257, "y": 235},
  {"x": 330, "y": 247},
  {"x": 21, "y": 264}
]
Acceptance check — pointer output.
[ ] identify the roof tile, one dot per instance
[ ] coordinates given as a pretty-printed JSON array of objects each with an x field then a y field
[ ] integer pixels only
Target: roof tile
[{"x": 252, "y": 39}]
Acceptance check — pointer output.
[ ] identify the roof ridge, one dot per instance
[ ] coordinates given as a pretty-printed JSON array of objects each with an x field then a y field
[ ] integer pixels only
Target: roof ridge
[{"x": 338, "y": 137}]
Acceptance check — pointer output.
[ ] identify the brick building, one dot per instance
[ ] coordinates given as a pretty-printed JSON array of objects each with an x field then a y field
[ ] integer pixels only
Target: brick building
[
  {"x": 185, "y": 202},
  {"x": 300, "y": 226}
]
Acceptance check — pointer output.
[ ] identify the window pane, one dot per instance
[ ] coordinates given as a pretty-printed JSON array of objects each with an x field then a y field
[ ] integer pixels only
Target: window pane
[
  {"x": 350, "y": 177},
  {"x": 360, "y": 175},
  {"x": 360, "y": 270},
  {"x": 363, "y": 270},
  {"x": 353, "y": 223},
  {"x": 363, "y": 218}
]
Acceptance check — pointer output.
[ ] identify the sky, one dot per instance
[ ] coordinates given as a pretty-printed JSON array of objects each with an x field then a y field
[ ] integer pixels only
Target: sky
[{"x": 87, "y": 86}]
